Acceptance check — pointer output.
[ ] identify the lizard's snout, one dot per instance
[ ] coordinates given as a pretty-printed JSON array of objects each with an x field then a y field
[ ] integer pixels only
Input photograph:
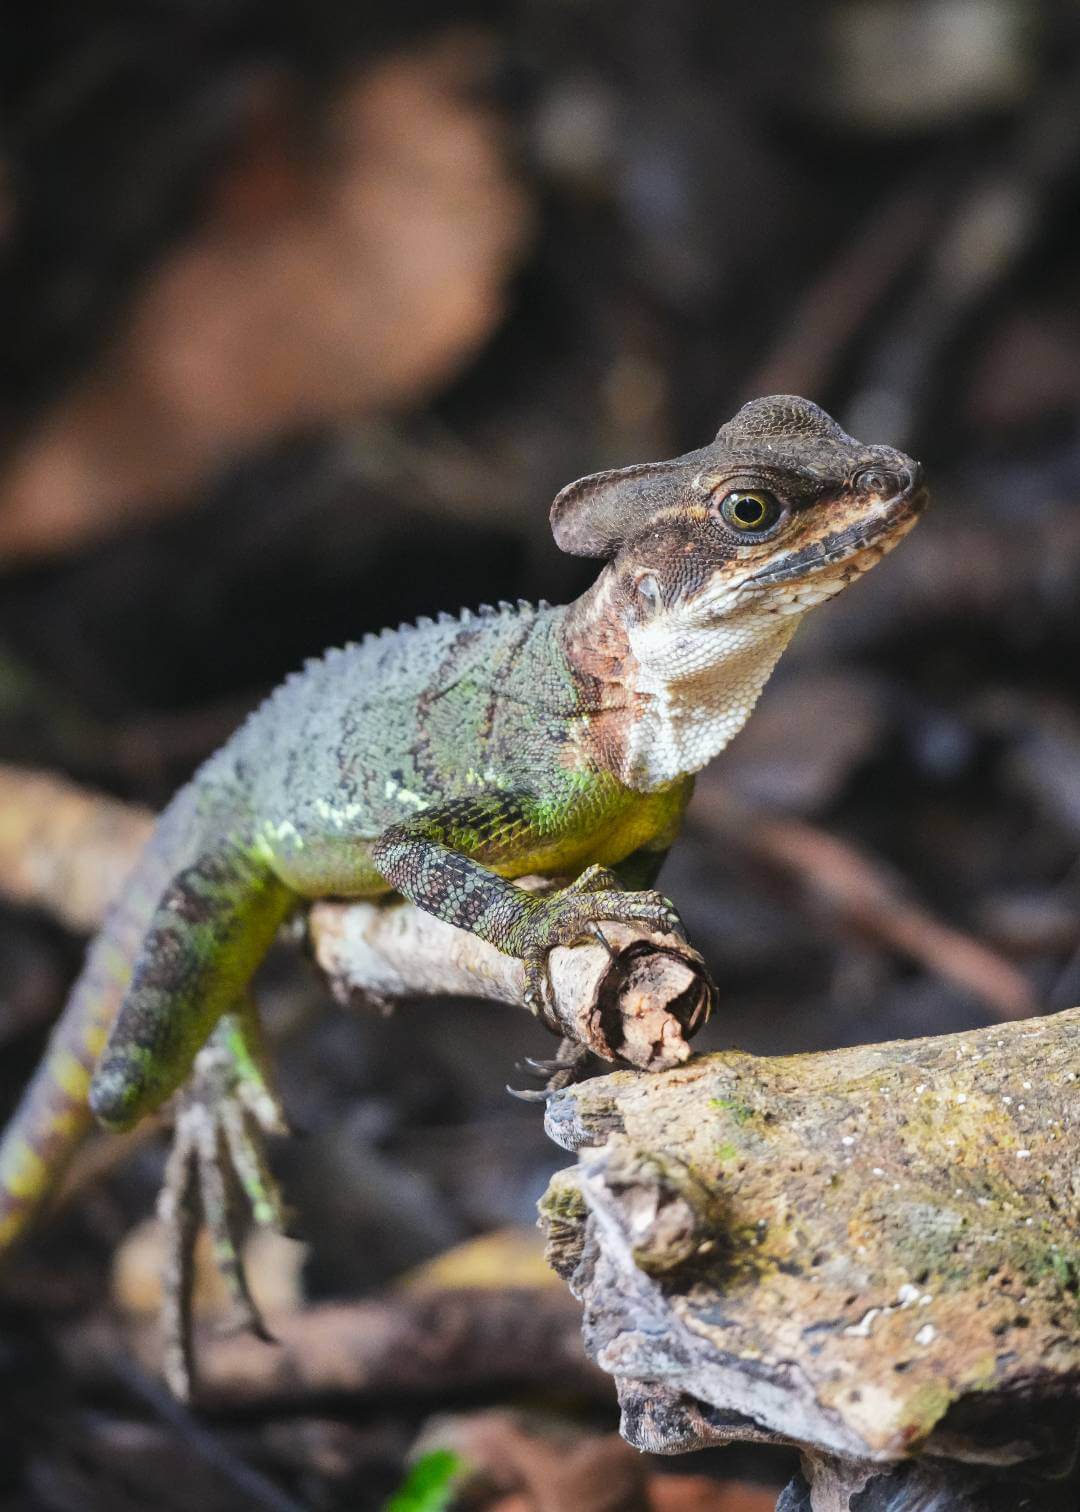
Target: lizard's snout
[
  {"x": 912, "y": 480},
  {"x": 913, "y": 496},
  {"x": 894, "y": 493}
]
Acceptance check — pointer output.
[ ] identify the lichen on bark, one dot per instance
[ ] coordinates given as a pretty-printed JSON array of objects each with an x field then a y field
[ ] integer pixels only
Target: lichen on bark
[{"x": 870, "y": 1251}]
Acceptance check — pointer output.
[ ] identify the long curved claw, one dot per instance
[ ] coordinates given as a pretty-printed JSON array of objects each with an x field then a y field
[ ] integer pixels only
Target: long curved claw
[
  {"x": 180, "y": 1211},
  {"x": 601, "y": 938},
  {"x": 530, "y": 1065},
  {"x": 217, "y": 1172},
  {"x": 530, "y": 1094},
  {"x": 538, "y": 997},
  {"x": 567, "y": 1067}
]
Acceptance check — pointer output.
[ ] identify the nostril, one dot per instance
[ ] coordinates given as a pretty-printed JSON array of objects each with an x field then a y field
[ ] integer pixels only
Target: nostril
[{"x": 877, "y": 480}]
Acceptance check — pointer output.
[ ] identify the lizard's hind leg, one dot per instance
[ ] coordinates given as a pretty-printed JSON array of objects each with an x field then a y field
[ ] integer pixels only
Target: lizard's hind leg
[
  {"x": 217, "y": 1171},
  {"x": 208, "y": 935}
]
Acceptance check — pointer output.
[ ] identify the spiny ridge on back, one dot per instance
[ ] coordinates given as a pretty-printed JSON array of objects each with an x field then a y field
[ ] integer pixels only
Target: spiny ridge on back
[{"x": 462, "y": 617}]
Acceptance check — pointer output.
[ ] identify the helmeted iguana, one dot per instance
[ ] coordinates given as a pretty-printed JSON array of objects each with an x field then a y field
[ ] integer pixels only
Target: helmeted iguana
[{"x": 442, "y": 760}]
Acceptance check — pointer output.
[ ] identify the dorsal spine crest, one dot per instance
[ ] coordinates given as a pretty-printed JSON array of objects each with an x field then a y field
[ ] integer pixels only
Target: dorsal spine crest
[{"x": 423, "y": 622}]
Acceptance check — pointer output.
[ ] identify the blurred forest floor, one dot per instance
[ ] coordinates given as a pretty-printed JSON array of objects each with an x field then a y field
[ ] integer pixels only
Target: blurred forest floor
[{"x": 308, "y": 314}]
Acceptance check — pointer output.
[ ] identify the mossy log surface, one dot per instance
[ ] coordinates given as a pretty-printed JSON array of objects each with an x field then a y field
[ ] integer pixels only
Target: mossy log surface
[{"x": 871, "y": 1252}]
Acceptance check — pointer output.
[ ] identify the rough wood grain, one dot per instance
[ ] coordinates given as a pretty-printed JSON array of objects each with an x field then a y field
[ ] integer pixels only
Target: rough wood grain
[{"x": 871, "y": 1252}]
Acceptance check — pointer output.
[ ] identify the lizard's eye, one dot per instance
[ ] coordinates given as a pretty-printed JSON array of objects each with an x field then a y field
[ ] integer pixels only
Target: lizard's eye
[{"x": 750, "y": 511}]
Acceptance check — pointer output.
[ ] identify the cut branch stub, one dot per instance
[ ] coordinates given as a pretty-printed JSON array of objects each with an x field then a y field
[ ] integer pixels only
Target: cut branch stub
[
  {"x": 869, "y": 1252},
  {"x": 638, "y": 1002}
]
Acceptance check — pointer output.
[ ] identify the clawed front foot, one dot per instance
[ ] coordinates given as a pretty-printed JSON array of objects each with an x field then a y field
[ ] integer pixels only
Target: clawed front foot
[
  {"x": 217, "y": 1173},
  {"x": 576, "y": 913}
]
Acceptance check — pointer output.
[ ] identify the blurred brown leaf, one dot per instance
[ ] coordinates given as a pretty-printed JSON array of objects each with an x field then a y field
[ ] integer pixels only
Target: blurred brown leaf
[
  {"x": 694, "y": 1493},
  {"x": 534, "y": 1463},
  {"x": 320, "y": 284}
]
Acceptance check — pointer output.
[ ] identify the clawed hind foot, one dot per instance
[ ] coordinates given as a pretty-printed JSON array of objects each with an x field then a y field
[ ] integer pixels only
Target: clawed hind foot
[
  {"x": 568, "y": 1066},
  {"x": 217, "y": 1173}
]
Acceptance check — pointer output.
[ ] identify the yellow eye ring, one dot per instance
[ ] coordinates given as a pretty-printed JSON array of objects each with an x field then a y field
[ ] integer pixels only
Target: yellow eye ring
[{"x": 750, "y": 510}]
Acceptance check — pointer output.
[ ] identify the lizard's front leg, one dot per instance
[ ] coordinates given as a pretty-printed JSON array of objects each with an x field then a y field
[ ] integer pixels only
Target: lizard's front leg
[{"x": 442, "y": 861}]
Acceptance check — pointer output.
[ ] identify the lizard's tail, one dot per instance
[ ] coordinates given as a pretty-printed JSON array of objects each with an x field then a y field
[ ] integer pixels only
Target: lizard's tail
[{"x": 53, "y": 1117}]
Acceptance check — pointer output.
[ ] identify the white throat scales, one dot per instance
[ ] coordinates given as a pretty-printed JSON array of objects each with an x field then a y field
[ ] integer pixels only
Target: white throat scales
[{"x": 696, "y": 686}]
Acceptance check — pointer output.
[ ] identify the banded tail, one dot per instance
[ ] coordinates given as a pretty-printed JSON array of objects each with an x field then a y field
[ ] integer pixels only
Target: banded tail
[{"x": 53, "y": 1117}]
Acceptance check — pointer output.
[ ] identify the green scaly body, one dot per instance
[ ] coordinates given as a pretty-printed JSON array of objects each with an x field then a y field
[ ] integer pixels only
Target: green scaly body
[
  {"x": 479, "y": 757},
  {"x": 442, "y": 760}
]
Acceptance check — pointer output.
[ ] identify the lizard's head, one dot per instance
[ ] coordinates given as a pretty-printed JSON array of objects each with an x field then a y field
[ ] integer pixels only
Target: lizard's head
[{"x": 782, "y": 511}]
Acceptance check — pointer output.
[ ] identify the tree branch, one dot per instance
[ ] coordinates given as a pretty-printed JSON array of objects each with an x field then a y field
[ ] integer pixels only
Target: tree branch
[{"x": 639, "y": 1002}]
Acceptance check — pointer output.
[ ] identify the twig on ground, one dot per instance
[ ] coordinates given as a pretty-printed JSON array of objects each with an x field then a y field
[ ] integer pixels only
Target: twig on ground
[
  {"x": 424, "y": 1344},
  {"x": 250, "y": 1483}
]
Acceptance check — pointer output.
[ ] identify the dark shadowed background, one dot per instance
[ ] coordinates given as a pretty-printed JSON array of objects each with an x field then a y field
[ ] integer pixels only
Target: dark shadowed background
[{"x": 307, "y": 313}]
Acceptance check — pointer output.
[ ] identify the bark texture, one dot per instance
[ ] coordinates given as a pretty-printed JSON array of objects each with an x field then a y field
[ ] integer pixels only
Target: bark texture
[{"x": 871, "y": 1253}]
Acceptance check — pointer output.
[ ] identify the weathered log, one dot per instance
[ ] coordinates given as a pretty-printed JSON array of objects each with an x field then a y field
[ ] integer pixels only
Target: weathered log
[{"x": 873, "y": 1254}]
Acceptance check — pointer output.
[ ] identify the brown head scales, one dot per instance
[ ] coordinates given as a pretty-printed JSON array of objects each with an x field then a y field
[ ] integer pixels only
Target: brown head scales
[{"x": 713, "y": 558}]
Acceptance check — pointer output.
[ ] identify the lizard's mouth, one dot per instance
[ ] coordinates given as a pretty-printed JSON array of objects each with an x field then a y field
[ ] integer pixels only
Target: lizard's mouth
[{"x": 868, "y": 531}]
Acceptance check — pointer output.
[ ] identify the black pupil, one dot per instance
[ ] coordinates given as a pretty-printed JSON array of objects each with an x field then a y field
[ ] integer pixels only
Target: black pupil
[{"x": 749, "y": 511}]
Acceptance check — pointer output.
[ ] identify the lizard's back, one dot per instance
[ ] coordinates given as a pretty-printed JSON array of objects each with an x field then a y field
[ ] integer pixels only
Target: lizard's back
[{"x": 368, "y": 735}]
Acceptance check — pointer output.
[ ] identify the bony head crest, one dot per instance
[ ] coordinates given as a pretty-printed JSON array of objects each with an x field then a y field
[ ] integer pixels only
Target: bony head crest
[
  {"x": 596, "y": 515},
  {"x": 779, "y": 417}
]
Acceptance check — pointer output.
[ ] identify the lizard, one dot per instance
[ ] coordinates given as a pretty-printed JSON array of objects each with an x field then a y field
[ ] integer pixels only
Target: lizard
[{"x": 443, "y": 760}]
